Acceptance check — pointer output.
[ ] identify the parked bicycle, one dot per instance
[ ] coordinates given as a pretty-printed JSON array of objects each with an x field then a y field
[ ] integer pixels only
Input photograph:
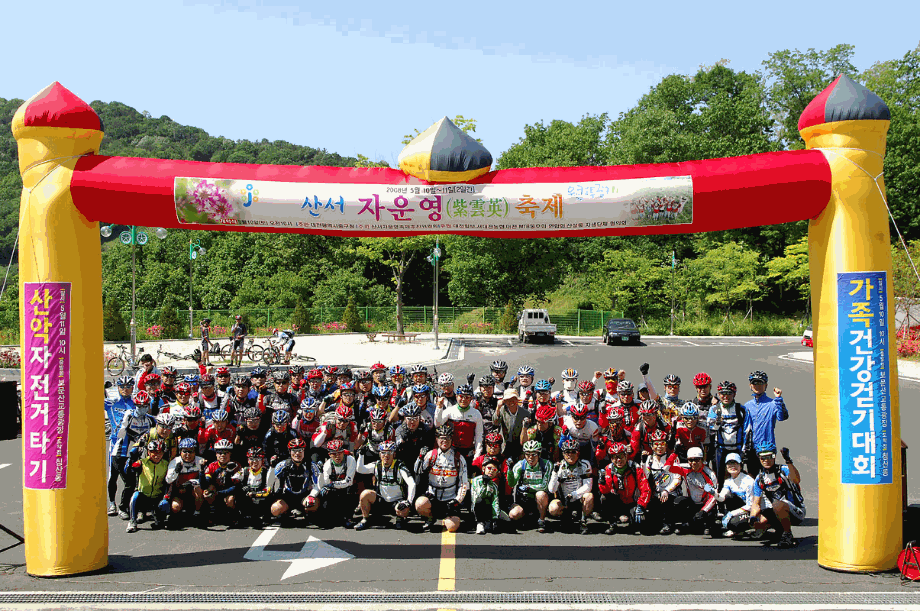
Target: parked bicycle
[
  {"x": 251, "y": 350},
  {"x": 116, "y": 365},
  {"x": 194, "y": 356}
]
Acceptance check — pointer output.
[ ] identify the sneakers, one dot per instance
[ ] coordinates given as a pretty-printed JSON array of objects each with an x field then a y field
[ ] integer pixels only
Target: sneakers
[
  {"x": 729, "y": 534},
  {"x": 132, "y": 527},
  {"x": 541, "y": 526},
  {"x": 786, "y": 541},
  {"x": 770, "y": 538},
  {"x": 349, "y": 523},
  {"x": 123, "y": 514},
  {"x": 362, "y": 525},
  {"x": 611, "y": 529},
  {"x": 667, "y": 529},
  {"x": 584, "y": 529},
  {"x": 481, "y": 528},
  {"x": 427, "y": 525},
  {"x": 113, "y": 509}
]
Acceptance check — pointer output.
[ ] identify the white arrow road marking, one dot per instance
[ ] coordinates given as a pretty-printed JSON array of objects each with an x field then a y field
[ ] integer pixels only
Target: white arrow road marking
[
  {"x": 6, "y": 464},
  {"x": 315, "y": 554}
]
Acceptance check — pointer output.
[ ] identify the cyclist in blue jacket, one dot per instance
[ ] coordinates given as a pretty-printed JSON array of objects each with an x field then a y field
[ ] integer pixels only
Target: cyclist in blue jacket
[
  {"x": 115, "y": 412},
  {"x": 761, "y": 416}
]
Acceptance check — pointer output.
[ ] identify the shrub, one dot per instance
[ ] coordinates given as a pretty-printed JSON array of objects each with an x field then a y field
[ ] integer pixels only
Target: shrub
[
  {"x": 113, "y": 323},
  {"x": 168, "y": 321},
  {"x": 9, "y": 359},
  {"x": 302, "y": 319},
  {"x": 508, "y": 322},
  {"x": 352, "y": 320}
]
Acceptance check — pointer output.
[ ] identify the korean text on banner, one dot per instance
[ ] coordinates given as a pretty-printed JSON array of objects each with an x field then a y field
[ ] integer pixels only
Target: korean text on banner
[
  {"x": 865, "y": 403},
  {"x": 46, "y": 384}
]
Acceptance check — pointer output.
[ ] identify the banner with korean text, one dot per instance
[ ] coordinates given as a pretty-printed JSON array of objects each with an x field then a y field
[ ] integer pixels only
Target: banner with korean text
[
  {"x": 570, "y": 206},
  {"x": 46, "y": 384},
  {"x": 865, "y": 412}
]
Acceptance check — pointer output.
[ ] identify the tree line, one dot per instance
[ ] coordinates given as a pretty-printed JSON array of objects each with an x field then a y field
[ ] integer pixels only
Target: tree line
[{"x": 716, "y": 112}]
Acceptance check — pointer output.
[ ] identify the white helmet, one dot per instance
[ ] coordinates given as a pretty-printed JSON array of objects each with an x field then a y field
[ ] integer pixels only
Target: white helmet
[{"x": 445, "y": 378}]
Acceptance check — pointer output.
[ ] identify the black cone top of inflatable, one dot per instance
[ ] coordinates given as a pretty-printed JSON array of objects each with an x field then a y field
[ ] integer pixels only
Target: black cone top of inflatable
[
  {"x": 445, "y": 152},
  {"x": 844, "y": 100}
]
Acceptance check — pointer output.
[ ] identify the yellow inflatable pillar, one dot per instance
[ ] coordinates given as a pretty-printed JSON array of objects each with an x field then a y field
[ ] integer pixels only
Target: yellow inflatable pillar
[
  {"x": 856, "y": 381},
  {"x": 60, "y": 283}
]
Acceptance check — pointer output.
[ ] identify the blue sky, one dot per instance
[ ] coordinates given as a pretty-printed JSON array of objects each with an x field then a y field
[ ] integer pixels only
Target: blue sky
[{"x": 354, "y": 77}]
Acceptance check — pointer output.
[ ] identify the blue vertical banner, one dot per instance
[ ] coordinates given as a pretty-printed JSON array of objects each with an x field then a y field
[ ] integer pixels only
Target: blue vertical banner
[{"x": 865, "y": 401}]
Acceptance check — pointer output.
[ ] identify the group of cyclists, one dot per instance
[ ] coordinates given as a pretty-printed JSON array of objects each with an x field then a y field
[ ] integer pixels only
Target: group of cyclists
[{"x": 331, "y": 447}]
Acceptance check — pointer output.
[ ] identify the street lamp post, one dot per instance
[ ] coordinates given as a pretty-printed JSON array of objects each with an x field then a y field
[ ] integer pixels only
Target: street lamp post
[
  {"x": 133, "y": 237},
  {"x": 194, "y": 249},
  {"x": 433, "y": 259}
]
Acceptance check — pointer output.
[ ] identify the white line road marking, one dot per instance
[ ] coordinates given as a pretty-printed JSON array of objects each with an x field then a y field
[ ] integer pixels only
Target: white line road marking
[
  {"x": 6, "y": 464},
  {"x": 568, "y": 342},
  {"x": 315, "y": 554},
  {"x": 691, "y": 343}
]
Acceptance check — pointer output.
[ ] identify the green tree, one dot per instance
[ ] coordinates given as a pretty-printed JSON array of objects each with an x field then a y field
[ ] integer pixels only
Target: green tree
[
  {"x": 365, "y": 162},
  {"x": 171, "y": 326},
  {"x": 396, "y": 254},
  {"x": 302, "y": 319},
  {"x": 904, "y": 281},
  {"x": 351, "y": 318},
  {"x": 508, "y": 321},
  {"x": 467, "y": 125},
  {"x": 791, "y": 270},
  {"x": 794, "y": 78},
  {"x": 113, "y": 323},
  {"x": 897, "y": 82},
  {"x": 637, "y": 284},
  {"x": 726, "y": 276},
  {"x": 559, "y": 144}
]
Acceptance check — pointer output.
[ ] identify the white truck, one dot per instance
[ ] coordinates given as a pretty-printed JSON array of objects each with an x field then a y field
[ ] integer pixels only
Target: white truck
[{"x": 535, "y": 324}]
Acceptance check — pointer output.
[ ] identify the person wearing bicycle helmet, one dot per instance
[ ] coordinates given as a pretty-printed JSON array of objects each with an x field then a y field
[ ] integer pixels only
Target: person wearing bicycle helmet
[
  {"x": 237, "y": 400},
  {"x": 671, "y": 402},
  {"x": 688, "y": 433},
  {"x": 666, "y": 486},
  {"x": 568, "y": 396},
  {"x": 571, "y": 484},
  {"x": 190, "y": 427},
  {"x": 258, "y": 378},
  {"x": 297, "y": 379},
  {"x": 577, "y": 427},
  {"x": 255, "y": 492},
  {"x": 379, "y": 374},
  {"x": 640, "y": 443},
  {"x": 183, "y": 393},
  {"x": 486, "y": 494},
  {"x": 168, "y": 385},
  {"x": 608, "y": 394},
  {"x": 498, "y": 370},
  {"x": 163, "y": 431},
  {"x": 193, "y": 380},
  {"x": 777, "y": 499},
  {"x": 625, "y": 492},
  {"x": 114, "y": 413},
  {"x": 697, "y": 512},
  {"x": 625, "y": 399},
  {"x": 294, "y": 480},
  {"x": 306, "y": 423},
  {"x": 150, "y": 475},
  {"x": 134, "y": 424},
  {"x": 185, "y": 475},
  {"x": 220, "y": 490},
  {"x": 219, "y": 430},
  {"x": 238, "y": 337},
  {"x": 393, "y": 489},
  {"x": 398, "y": 380},
  {"x": 208, "y": 400},
  {"x": 443, "y": 482},
  {"x": 376, "y": 431},
  {"x": 613, "y": 434},
  {"x": 725, "y": 425},
  {"x": 762, "y": 414},
  {"x": 222, "y": 377},
  {"x": 530, "y": 480},
  {"x": 277, "y": 439},
  {"x": 525, "y": 376},
  {"x": 587, "y": 397},
  {"x": 545, "y": 432},
  {"x": 153, "y": 386},
  {"x": 148, "y": 366},
  {"x": 341, "y": 426},
  {"x": 703, "y": 400},
  {"x": 421, "y": 398},
  {"x": 467, "y": 423},
  {"x": 285, "y": 338},
  {"x": 314, "y": 386},
  {"x": 414, "y": 437},
  {"x": 282, "y": 400},
  {"x": 333, "y": 492},
  {"x": 330, "y": 372}
]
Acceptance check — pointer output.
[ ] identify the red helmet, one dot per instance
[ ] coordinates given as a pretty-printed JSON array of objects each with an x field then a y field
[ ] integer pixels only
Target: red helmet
[
  {"x": 335, "y": 445},
  {"x": 702, "y": 379},
  {"x": 152, "y": 377},
  {"x": 615, "y": 413},
  {"x": 586, "y": 386},
  {"x": 314, "y": 374},
  {"x": 142, "y": 398},
  {"x": 345, "y": 412},
  {"x": 378, "y": 367},
  {"x": 659, "y": 435},
  {"x": 579, "y": 411},
  {"x": 222, "y": 371},
  {"x": 494, "y": 438},
  {"x": 192, "y": 412},
  {"x": 298, "y": 444},
  {"x": 331, "y": 369},
  {"x": 616, "y": 448},
  {"x": 183, "y": 388},
  {"x": 546, "y": 413},
  {"x": 206, "y": 380},
  {"x": 648, "y": 407}
]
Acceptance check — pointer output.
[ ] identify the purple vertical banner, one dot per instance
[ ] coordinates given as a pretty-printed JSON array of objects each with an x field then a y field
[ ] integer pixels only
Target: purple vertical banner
[{"x": 46, "y": 384}]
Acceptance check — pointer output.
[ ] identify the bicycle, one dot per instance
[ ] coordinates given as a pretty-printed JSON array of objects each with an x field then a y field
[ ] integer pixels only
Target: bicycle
[
  {"x": 116, "y": 364},
  {"x": 173, "y": 355},
  {"x": 254, "y": 352}
]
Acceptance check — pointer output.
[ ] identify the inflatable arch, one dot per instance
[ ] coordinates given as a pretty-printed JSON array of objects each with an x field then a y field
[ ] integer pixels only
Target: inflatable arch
[{"x": 68, "y": 189}]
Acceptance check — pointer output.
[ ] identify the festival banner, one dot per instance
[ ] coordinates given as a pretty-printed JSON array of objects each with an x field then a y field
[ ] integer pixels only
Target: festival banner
[
  {"x": 46, "y": 384},
  {"x": 575, "y": 206},
  {"x": 865, "y": 402}
]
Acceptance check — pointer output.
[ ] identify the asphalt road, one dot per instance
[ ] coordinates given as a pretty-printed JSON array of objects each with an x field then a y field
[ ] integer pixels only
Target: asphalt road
[{"x": 391, "y": 561}]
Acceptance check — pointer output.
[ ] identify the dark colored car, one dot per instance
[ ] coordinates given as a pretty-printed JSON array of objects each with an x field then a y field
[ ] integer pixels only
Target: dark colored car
[{"x": 621, "y": 331}]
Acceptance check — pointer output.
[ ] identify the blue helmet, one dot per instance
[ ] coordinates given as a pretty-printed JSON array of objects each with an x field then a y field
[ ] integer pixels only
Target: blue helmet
[
  {"x": 765, "y": 447},
  {"x": 187, "y": 443},
  {"x": 191, "y": 378},
  {"x": 382, "y": 392},
  {"x": 421, "y": 389},
  {"x": 308, "y": 405},
  {"x": 688, "y": 410},
  {"x": 758, "y": 375},
  {"x": 525, "y": 370},
  {"x": 220, "y": 416},
  {"x": 397, "y": 370},
  {"x": 280, "y": 417},
  {"x": 542, "y": 386},
  {"x": 410, "y": 410}
]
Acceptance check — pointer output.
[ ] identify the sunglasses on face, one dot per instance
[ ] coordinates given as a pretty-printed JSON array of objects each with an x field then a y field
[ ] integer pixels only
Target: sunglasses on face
[
  {"x": 694, "y": 460},
  {"x": 570, "y": 452},
  {"x": 579, "y": 418}
]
